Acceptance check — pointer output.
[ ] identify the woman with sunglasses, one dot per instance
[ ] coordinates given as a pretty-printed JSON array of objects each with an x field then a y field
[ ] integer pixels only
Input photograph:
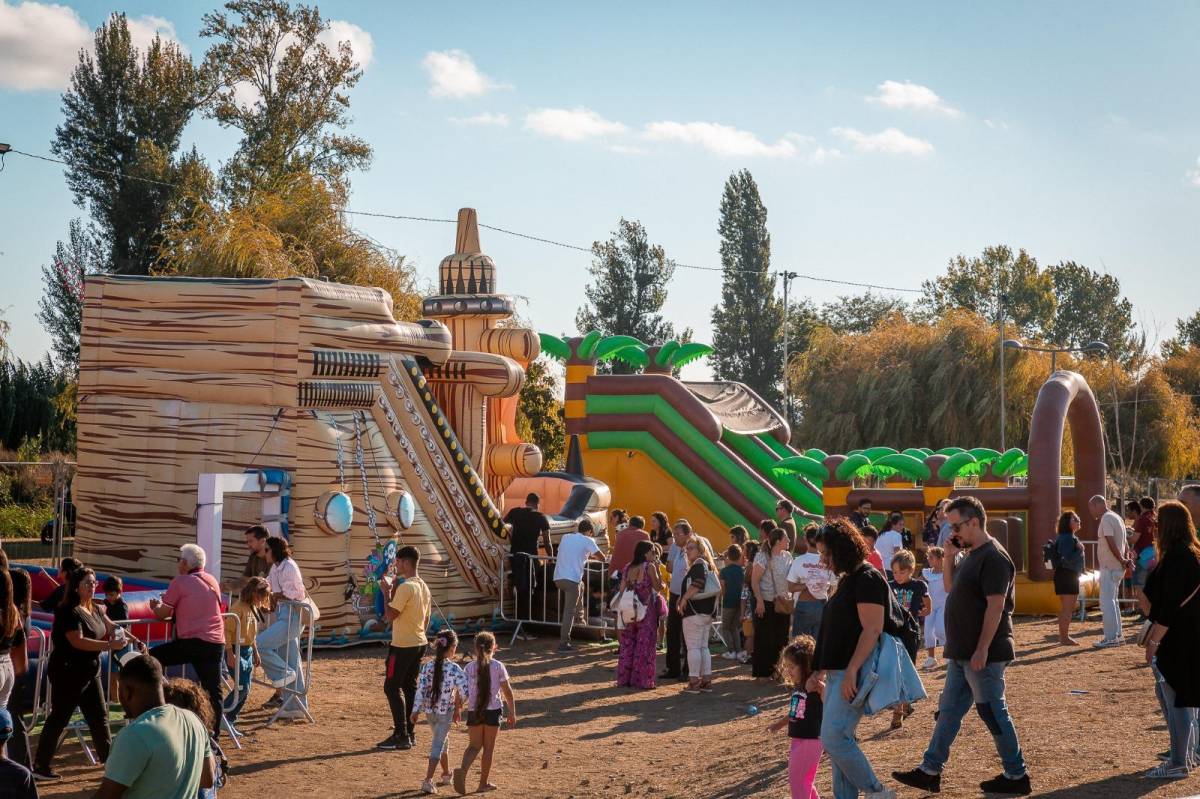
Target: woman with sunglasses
[{"x": 81, "y": 632}]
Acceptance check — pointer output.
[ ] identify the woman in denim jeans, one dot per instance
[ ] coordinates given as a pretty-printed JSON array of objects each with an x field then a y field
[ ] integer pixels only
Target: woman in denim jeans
[
  {"x": 1173, "y": 643},
  {"x": 850, "y": 628}
]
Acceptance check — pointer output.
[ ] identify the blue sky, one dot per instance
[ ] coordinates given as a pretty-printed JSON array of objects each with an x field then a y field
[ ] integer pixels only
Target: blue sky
[{"x": 885, "y": 139}]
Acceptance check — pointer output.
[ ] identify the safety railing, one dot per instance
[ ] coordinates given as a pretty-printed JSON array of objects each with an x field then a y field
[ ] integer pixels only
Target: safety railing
[
  {"x": 230, "y": 700},
  {"x": 1089, "y": 582},
  {"x": 536, "y": 599},
  {"x": 297, "y": 654}
]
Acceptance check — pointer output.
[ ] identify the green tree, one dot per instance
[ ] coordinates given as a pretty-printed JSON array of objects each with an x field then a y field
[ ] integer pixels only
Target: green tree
[
  {"x": 540, "y": 414},
  {"x": 60, "y": 309},
  {"x": 975, "y": 284},
  {"x": 285, "y": 90},
  {"x": 628, "y": 289},
  {"x": 1089, "y": 307},
  {"x": 1187, "y": 336},
  {"x": 861, "y": 313},
  {"x": 123, "y": 114},
  {"x": 748, "y": 323}
]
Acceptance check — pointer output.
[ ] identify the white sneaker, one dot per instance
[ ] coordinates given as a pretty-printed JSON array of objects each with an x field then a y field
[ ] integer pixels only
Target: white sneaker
[
  {"x": 743, "y": 657},
  {"x": 427, "y": 787},
  {"x": 1165, "y": 771},
  {"x": 929, "y": 664},
  {"x": 886, "y": 793},
  {"x": 286, "y": 679},
  {"x": 729, "y": 655}
]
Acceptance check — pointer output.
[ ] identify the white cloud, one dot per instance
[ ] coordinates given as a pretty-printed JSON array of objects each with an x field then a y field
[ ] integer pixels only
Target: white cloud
[
  {"x": 40, "y": 43},
  {"x": 996, "y": 124},
  {"x": 1193, "y": 175},
  {"x": 722, "y": 140},
  {"x": 452, "y": 73},
  {"x": 894, "y": 94},
  {"x": 142, "y": 31},
  {"x": 823, "y": 155},
  {"x": 571, "y": 124},
  {"x": 486, "y": 119},
  {"x": 361, "y": 42},
  {"x": 889, "y": 140}
]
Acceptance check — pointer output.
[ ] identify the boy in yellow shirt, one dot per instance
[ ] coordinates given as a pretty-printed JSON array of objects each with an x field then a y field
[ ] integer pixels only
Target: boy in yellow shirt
[{"x": 408, "y": 611}]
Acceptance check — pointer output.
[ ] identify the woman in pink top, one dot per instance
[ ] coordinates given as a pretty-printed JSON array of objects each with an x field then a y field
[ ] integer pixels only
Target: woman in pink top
[{"x": 193, "y": 600}]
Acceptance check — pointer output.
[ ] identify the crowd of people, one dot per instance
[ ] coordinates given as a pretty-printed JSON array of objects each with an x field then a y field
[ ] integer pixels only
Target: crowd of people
[{"x": 837, "y": 613}]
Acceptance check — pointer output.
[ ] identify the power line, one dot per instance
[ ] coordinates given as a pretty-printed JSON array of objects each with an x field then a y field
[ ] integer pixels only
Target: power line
[{"x": 505, "y": 231}]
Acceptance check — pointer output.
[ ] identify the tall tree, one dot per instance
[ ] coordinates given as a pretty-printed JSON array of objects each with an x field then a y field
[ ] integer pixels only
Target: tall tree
[
  {"x": 861, "y": 313},
  {"x": 748, "y": 323},
  {"x": 1187, "y": 336},
  {"x": 628, "y": 289},
  {"x": 60, "y": 309},
  {"x": 285, "y": 90},
  {"x": 1089, "y": 307},
  {"x": 540, "y": 413},
  {"x": 976, "y": 284},
  {"x": 124, "y": 113}
]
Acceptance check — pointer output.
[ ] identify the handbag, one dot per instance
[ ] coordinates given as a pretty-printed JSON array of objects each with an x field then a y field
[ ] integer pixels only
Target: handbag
[
  {"x": 1144, "y": 633},
  {"x": 628, "y": 607},
  {"x": 783, "y": 602}
]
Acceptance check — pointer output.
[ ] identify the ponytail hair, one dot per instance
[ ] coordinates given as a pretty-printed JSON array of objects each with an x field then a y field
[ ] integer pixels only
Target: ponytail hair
[
  {"x": 443, "y": 642},
  {"x": 485, "y": 648}
]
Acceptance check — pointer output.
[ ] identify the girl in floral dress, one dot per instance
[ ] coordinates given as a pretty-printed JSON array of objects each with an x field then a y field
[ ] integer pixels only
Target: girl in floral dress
[{"x": 639, "y": 639}]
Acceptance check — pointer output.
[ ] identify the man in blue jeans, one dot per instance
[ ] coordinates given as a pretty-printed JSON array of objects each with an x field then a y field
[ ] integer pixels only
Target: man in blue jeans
[{"x": 979, "y": 647}]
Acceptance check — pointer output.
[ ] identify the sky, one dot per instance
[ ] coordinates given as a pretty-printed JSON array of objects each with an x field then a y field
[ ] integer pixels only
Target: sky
[{"x": 885, "y": 138}]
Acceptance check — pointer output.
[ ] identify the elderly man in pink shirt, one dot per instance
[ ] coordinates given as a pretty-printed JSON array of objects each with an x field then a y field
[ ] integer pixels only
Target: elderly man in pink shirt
[{"x": 193, "y": 600}]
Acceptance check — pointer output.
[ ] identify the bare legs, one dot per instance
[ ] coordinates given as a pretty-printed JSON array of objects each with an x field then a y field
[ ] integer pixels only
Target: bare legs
[
  {"x": 1065, "y": 612},
  {"x": 483, "y": 740}
]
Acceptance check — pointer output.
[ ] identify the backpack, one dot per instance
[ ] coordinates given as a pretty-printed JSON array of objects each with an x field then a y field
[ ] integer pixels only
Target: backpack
[
  {"x": 1051, "y": 557},
  {"x": 898, "y": 621}
]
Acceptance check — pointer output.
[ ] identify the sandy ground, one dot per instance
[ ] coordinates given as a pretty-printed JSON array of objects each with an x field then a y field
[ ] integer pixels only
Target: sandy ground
[{"x": 579, "y": 736}]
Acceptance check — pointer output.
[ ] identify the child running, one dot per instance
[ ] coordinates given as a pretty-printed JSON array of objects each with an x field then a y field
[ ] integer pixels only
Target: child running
[
  {"x": 913, "y": 596},
  {"x": 487, "y": 681},
  {"x": 441, "y": 692},
  {"x": 935, "y": 622},
  {"x": 803, "y": 720}
]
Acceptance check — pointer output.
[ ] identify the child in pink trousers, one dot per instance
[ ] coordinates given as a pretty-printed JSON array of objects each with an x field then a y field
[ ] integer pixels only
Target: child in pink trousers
[{"x": 803, "y": 720}]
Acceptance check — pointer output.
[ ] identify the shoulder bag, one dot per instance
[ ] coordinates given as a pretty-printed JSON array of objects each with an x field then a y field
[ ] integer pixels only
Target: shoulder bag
[
  {"x": 783, "y": 601},
  {"x": 1144, "y": 633}
]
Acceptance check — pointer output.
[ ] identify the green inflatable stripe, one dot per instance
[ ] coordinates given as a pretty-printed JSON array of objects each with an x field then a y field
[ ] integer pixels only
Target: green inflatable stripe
[
  {"x": 700, "y": 490},
  {"x": 763, "y": 460},
  {"x": 706, "y": 449}
]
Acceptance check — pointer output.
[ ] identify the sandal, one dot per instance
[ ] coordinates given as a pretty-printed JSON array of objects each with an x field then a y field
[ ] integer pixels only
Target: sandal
[{"x": 706, "y": 686}]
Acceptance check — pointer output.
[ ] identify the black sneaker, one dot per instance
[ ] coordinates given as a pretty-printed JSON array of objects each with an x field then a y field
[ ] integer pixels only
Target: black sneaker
[
  {"x": 919, "y": 779},
  {"x": 393, "y": 742},
  {"x": 404, "y": 743},
  {"x": 1003, "y": 784},
  {"x": 45, "y": 774}
]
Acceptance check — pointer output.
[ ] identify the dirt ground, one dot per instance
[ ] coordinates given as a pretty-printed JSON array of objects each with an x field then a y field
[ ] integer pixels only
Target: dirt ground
[{"x": 579, "y": 736}]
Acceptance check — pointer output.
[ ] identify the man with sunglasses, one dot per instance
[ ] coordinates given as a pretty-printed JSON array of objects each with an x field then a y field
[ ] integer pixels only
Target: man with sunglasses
[{"x": 979, "y": 647}]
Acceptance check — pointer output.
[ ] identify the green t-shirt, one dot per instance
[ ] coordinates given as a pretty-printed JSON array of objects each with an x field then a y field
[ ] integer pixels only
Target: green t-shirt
[{"x": 160, "y": 755}]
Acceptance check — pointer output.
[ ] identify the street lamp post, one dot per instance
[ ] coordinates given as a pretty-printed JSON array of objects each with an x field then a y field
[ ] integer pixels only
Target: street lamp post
[{"x": 1091, "y": 348}]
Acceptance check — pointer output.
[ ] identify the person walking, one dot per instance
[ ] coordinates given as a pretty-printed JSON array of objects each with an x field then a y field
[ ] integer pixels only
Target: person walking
[
  {"x": 1173, "y": 641},
  {"x": 80, "y": 633},
  {"x": 773, "y": 604},
  {"x": 1113, "y": 559},
  {"x": 677, "y": 565},
  {"x": 529, "y": 528},
  {"x": 409, "y": 609},
  {"x": 851, "y": 625},
  {"x": 979, "y": 647},
  {"x": 574, "y": 551},
  {"x": 441, "y": 695},
  {"x": 1068, "y": 565},
  {"x": 697, "y": 605},
  {"x": 193, "y": 600},
  {"x": 635, "y": 663}
]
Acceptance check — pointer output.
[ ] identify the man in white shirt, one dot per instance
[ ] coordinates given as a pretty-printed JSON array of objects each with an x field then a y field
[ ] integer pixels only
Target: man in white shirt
[
  {"x": 1113, "y": 559},
  {"x": 574, "y": 551}
]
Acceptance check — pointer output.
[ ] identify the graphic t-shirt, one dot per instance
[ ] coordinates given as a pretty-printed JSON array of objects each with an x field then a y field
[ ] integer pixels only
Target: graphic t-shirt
[
  {"x": 807, "y": 569},
  {"x": 911, "y": 595},
  {"x": 804, "y": 715}
]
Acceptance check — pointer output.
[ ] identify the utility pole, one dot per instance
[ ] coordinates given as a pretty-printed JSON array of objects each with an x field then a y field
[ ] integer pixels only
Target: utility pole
[
  {"x": 1000, "y": 307},
  {"x": 788, "y": 277}
]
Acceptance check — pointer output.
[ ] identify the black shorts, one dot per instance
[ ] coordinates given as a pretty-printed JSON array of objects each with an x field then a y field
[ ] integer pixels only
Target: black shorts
[
  {"x": 488, "y": 718},
  {"x": 1066, "y": 582}
]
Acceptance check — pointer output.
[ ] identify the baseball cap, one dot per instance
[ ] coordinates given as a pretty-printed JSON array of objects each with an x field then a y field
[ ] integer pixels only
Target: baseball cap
[{"x": 6, "y": 725}]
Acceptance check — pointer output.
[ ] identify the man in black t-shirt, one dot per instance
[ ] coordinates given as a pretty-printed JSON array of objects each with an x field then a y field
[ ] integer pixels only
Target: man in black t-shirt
[
  {"x": 979, "y": 647},
  {"x": 529, "y": 526}
]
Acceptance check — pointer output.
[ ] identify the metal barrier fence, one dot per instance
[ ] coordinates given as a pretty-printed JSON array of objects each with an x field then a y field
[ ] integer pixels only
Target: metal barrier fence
[
  {"x": 538, "y": 600},
  {"x": 1089, "y": 582},
  {"x": 297, "y": 658}
]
